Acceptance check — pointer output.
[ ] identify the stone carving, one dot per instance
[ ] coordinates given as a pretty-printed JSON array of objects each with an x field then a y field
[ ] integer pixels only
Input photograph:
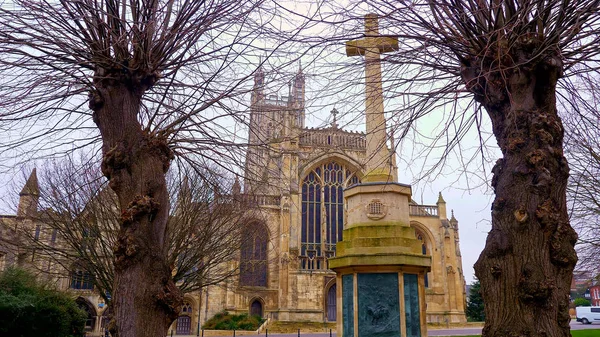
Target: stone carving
[
  {"x": 378, "y": 305},
  {"x": 376, "y": 210}
]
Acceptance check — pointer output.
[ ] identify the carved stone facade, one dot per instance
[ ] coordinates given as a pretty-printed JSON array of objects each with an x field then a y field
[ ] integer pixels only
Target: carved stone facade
[{"x": 301, "y": 174}]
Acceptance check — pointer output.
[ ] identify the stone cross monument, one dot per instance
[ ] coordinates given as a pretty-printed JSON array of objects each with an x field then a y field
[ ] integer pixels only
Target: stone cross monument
[
  {"x": 378, "y": 166},
  {"x": 379, "y": 263}
]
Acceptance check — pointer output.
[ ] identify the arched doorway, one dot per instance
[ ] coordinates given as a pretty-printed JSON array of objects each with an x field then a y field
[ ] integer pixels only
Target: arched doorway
[
  {"x": 256, "y": 308},
  {"x": 184, "y": 321},
  {"x": 86, "y": 306},
  {"x": 184, "y": 325},
  {"x": 332, "y": 304}
]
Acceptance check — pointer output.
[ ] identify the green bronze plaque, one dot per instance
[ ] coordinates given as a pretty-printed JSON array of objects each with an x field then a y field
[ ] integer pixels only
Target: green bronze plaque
[
  {"x": 348, "y": 305},
  {"x": 411, "y": 304},
  {"x": 378, "y": 305}
]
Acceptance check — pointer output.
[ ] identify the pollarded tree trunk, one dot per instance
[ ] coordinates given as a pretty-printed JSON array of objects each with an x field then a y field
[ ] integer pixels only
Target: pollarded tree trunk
[
  {"x": 527, "y": 264},
  {"x": 145, "y": 299}
]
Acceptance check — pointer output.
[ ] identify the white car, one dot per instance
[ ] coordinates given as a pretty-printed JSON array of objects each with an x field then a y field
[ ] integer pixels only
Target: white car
[{"x": 587, "y": 315}]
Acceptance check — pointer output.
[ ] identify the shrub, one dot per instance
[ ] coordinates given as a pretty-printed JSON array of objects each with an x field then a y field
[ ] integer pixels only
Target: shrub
[
  {"x": 30, "y": 309},
  {"x": 582, "y": 302},
  {"x": 225, "y": 321}
]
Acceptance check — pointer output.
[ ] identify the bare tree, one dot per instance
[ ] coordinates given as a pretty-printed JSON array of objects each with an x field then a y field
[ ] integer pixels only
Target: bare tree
[
  {"x": 155, "y": 76},
  {"x": 582, "y": 149},
  {"x": 511, "y": 64},
  {"x": 80, "y": 220}
]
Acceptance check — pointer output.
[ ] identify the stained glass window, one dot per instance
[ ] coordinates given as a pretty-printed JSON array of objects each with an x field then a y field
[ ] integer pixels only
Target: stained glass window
[
  {"x": 253, "y": 259},
  {"x": 323, "y": 212},
  {"x": 81, "y": 279}
]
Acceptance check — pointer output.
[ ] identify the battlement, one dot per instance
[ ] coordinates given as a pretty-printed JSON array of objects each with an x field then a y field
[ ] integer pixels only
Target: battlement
[
  {"x": 276, "y": 100},
  {"x": 333, "y": 137}
]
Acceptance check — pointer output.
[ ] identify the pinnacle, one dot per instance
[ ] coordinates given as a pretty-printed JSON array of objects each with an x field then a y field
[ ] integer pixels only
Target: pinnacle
[{"x": 31, "y": 186}]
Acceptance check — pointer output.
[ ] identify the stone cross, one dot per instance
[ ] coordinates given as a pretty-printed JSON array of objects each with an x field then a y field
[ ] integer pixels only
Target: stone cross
[
  {"x": 334, "y": 113},
  {"x": 378, "y": 156}
]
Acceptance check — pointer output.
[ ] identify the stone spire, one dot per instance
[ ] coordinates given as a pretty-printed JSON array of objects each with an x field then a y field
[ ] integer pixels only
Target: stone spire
[
  {"x": 378, "y": 162},
  {"x": 29, "y": 196}
]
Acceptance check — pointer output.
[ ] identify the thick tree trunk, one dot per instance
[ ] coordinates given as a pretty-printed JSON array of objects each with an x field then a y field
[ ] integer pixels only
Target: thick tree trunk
[
  {"x": 527, "y": 264},
  {"x": 145, "y": 299}
]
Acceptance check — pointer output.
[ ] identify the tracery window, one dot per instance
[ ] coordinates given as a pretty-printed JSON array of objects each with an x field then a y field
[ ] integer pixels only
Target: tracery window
[
  {"x": 323, "y": 212},
  {"x": 253, "y": 257},
  {"x": 186, "y": 308},
  {"x": 81, "y": 279}
]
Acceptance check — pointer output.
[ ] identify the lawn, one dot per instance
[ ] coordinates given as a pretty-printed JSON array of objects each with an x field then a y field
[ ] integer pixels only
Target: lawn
[{"x": 586, "y": 333}]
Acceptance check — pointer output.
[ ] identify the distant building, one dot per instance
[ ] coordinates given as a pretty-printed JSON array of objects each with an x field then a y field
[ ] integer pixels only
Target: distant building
[
  {"x": 595, "y": 295},
  {"x": 17, "y": 249}
]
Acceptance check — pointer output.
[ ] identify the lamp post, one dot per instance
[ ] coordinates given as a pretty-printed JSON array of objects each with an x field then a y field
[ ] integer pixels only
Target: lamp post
[{"x": 199, "y": 306}]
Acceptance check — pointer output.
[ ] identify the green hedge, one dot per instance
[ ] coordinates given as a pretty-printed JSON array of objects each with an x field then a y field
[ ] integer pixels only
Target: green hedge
[
  {"x": 225, "y": 321},
  {"x": 28, "y": 309}
]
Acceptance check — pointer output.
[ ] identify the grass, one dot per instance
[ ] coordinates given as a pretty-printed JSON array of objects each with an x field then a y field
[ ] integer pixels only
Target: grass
[{"x": 586, "y": 333}]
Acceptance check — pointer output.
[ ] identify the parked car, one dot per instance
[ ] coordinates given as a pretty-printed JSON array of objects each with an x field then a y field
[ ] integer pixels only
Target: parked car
[{"x": 587, "y": 315}]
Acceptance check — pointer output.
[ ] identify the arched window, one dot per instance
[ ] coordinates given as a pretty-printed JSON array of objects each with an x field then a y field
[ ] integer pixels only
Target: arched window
[
  {"x": 186, "y": 308},
  {"x": 253, "y": 257},
  {"x": 86, "y": 306},
  {"x": 332, "y": 304},
  {"x": 323, "y": 212},
  {"x": 82, "y": 279},
  {"x": 424, "y": 250}
]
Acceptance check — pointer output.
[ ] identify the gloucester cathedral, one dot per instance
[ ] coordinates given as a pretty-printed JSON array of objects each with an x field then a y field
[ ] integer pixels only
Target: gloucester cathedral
[{"x": 298, "y": 176}]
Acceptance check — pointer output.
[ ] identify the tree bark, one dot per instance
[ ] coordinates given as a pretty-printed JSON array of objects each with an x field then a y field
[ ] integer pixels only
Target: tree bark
[
  {"x": 527, "y": 264},
  {"x": 145, "y": 299}
]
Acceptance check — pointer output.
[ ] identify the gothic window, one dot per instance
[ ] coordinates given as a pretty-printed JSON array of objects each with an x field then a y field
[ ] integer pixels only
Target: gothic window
[
  {"x": 421, "y": 238},
  {"x": 186, "y": 308},
  {"x": 253, "y": 257},
  {"x": 332, "y": 304},
  {"x": 323, "y": 212},
  {"x": 53, "y": 239},
  {"x": 36, "y": 236},
  {"x": 81, "y": 279}
]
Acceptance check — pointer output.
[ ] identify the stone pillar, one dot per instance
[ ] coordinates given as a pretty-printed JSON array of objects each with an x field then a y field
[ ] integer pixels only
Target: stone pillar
[{"x": 379, "y": 263}]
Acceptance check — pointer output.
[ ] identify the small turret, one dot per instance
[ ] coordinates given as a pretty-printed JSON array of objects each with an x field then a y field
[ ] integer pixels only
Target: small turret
[
  {"x": 441, "y": 204},
  {"x": 298, "y": 92},
  {"x": 29, "y": 196},
  {"x": 236, "y": 189},
  {"x": 259, "y": 85},
  {"x": 453, "y": 221}
]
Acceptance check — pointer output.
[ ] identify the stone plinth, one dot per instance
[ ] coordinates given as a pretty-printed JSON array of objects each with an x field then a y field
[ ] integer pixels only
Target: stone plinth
[{"x": 380, "y": 266}]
